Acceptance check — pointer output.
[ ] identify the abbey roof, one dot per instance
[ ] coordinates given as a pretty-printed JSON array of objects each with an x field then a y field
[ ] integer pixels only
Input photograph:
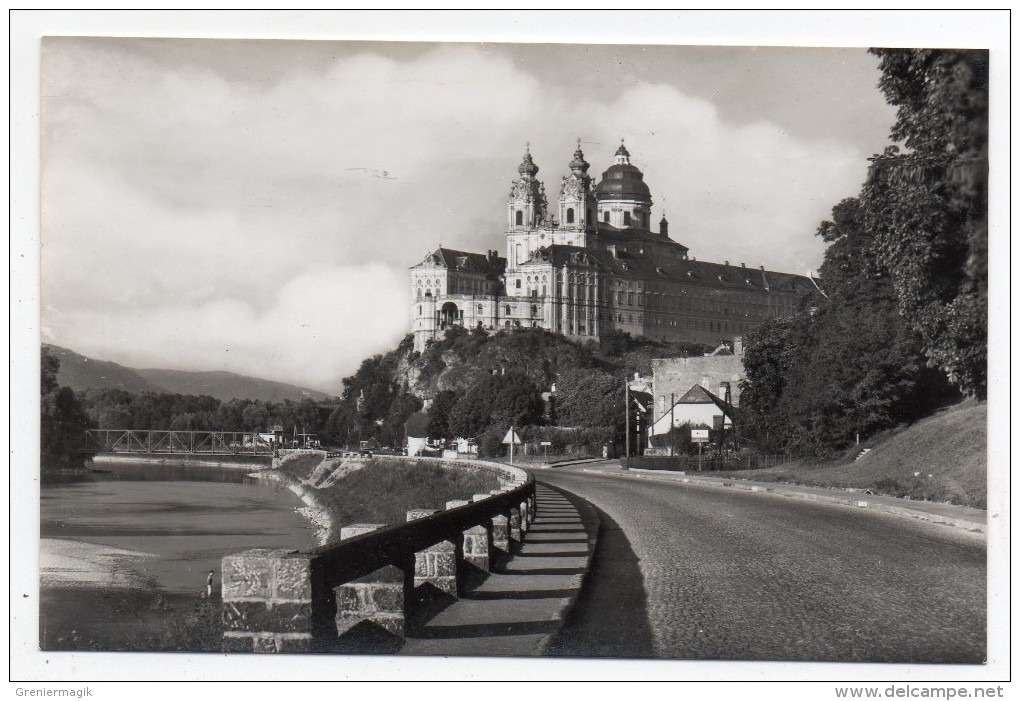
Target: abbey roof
[
  {"x": 628, "y": 261},
  {"x": 489, "y": 265}
]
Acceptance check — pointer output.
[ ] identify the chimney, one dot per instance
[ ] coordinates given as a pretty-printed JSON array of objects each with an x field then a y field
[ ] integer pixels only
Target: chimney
[
  {"x": 742, "y": 265},
  {"x": 706, "y": 382},
  {"x": 738, "y": 345},
  {"x": 761, "y": 268},
  {"x": 726, "y": 263}
]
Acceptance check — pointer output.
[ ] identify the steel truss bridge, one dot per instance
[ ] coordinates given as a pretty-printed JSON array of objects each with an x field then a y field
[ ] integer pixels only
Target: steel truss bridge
[{"x": 111, "y": 440}]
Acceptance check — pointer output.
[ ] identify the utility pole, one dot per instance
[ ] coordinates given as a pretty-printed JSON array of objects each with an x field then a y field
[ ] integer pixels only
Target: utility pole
[
  {"x": 672, "y": 426},
  {"x": 626, "y": 413}
]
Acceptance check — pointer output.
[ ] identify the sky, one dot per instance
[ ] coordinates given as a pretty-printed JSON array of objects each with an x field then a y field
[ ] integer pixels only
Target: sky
[{"x": 254, "y": 206}]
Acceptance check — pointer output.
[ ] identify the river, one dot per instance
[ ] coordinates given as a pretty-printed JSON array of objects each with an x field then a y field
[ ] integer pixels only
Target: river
[{"x": 173, "y": 522}]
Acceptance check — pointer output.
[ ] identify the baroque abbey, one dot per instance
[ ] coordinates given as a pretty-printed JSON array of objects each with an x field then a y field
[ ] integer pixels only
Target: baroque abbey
[{"x": 591, "y": 266}]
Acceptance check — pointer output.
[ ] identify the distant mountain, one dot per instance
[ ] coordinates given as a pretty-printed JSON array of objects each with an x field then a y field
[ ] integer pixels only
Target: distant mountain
[
  {"x": 227, "y": 385},
  {"x": 79, "y": 372}
]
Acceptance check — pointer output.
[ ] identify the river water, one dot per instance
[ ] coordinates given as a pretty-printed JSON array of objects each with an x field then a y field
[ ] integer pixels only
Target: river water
[{"x": 184, "y": 518}]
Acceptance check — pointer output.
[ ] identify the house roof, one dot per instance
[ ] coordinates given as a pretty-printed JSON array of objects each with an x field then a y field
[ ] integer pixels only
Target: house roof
[{"x": 699, "y": 395}]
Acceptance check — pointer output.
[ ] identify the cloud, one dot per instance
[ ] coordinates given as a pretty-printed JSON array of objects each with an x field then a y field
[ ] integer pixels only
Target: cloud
[
  {"x": 193, "y": 220},
  {"x": 314, "y": 330}
]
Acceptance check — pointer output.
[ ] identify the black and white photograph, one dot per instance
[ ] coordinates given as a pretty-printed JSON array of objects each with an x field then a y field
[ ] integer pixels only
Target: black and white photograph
[{"x": 539, "y": 353}]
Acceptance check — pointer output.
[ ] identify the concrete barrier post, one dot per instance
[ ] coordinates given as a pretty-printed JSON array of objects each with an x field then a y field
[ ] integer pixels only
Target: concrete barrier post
[
  {"x": 267, "y": 601},
  {"x": 478, "y": 543},
  {"x": 500, "y": 528},
  {"x": 436, "y": 566},
  {"x": 375, "y": 600},
  {"x": 515, "y": 525},
  {"x": 525, "y": 516},
  {"x": 501, "y": 533}
]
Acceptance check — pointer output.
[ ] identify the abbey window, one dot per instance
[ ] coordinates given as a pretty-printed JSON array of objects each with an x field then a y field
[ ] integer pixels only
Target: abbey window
[
  {"x": 570, "y": 215},
  {"x": 519, "y": 220}
]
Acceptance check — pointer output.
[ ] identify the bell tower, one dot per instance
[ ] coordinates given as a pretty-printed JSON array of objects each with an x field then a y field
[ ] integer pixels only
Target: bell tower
[
  {"x": 577, "y": 200},
  {"x": 526, "y": 206}
]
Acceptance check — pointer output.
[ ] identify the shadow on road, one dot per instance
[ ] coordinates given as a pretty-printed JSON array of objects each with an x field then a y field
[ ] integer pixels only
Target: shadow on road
[{"x": 610, "y": 618}]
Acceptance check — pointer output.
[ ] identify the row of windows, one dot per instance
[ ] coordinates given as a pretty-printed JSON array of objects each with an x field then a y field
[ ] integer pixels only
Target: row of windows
[{"x": 628, "y": 219}]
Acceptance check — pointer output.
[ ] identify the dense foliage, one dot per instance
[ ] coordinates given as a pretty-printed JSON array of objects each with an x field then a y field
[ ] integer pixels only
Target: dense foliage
[
  {"x": 116, "y": 408},
  {"x": 62, "y": 420},
  {"x": 481, "y": 384},
  {"x": 927, "y": 209},
  {"x": 902, "y": 329}
]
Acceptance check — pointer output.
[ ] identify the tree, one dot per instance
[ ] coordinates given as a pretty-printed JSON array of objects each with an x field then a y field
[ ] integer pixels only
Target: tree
[
  {"x": 400, "y": 410},
  {"x": 439, "y": 414},
  {"x": 255, "y": 416},
  {"x": 927, "y": 208},
  {"x": 62, "y": 420},
  {"x": 851, "y": 366},
  {"x": 589, "y": 397},
  {"x": 769, "y": 355}
]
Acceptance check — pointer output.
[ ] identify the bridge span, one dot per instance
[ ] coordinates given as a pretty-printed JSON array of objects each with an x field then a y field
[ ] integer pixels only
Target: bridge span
[{"x": 120, "y": 440}]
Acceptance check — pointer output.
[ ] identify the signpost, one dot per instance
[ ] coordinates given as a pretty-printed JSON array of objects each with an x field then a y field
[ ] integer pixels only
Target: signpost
[
  {"x": 699, "y": 436},
  {"x": 545, "y": 446},
  {"x": 512, "y": 439}
]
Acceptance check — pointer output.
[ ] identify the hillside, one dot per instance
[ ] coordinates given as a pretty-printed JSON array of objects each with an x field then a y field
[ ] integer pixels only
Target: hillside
[
  {"x": 480, "y": 383},
  {"x": 940, "y": 458},
  {"x": 80, "y": 373},
  {"x": 227, "y": 385},
  {"x": 463, "y": 358}
]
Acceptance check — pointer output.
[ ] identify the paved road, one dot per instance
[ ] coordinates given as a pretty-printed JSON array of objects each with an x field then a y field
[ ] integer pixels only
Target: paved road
[{"x": 692, "y": 572}]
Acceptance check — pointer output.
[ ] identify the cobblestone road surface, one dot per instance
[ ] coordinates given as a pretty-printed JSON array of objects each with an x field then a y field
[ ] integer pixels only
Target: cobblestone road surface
[{"x": 692, "y": 572}]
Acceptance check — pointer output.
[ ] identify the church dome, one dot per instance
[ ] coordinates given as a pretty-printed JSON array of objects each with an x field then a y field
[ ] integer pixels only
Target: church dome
[{"x": 622, "y": 181}]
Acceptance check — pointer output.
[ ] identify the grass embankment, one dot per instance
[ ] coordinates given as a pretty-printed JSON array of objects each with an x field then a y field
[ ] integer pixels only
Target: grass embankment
[
  {"x": 941, "y": 458},
  {"x": 384, "y": 490}
]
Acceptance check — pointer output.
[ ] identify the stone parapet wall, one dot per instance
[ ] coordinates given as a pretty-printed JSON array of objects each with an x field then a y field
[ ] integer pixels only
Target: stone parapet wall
[
  {"x": 267, "y": 601},
  {"x": 288, "y": 601}
]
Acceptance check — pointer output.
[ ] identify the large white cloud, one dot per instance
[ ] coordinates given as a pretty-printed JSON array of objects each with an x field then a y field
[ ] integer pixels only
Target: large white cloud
[{"x": 191, "y": 220}]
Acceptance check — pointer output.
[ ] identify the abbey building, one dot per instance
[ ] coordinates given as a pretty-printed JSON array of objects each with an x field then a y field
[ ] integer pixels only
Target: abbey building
[{"x": 589, "y": 264}]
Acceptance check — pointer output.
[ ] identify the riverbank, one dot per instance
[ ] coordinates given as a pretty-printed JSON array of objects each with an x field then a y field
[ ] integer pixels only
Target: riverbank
[
  {"x": 76, "y": 564},
  {"x": 343, "y": 491},
  {"x": 96, "y": 597},
  {"x": 127, "y": 620},
  {"x": 241, "y": 462},
  {"x": 125, "y": 553},
  {"x": 314, "y": 511}
]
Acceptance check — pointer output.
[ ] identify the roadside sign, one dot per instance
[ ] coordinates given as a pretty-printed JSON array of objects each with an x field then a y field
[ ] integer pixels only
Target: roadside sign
[
  {"x": 699, "y": 435},
  {"x": 277, "y": 428},
  {"x": 546, "y": 443},
  {"x": 511, "y": 438}
]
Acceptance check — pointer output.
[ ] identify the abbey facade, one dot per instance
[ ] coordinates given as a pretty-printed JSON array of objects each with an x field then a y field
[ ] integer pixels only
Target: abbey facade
[{"x": 591, "y": 264}]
